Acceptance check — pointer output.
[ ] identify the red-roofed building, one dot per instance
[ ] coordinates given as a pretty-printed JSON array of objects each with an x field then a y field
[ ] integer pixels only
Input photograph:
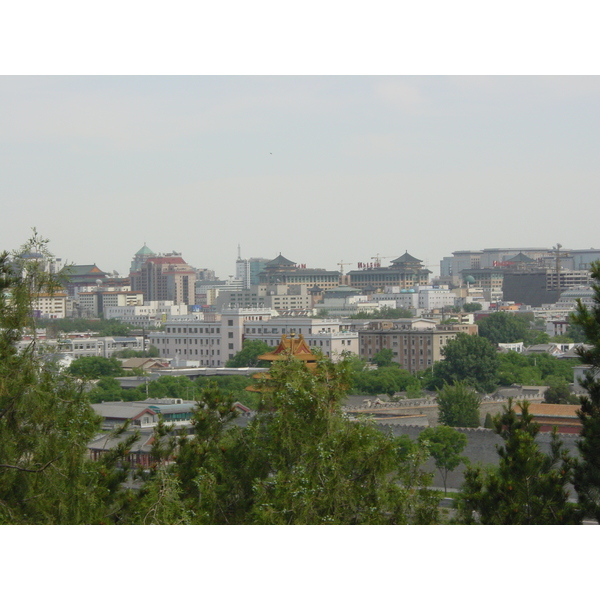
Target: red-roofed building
[{"x": 562, "y": 416}]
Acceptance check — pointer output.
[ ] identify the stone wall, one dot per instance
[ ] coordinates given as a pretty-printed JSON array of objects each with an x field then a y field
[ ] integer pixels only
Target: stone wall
[{"x": 481, "y": 448}]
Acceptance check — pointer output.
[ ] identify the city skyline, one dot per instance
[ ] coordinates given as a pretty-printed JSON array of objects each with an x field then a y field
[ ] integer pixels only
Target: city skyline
[{"x": 321, "y": 169}]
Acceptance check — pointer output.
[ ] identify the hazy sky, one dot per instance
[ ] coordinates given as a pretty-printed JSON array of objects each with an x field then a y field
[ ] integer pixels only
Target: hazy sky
[{"x": 321, "y": 169}]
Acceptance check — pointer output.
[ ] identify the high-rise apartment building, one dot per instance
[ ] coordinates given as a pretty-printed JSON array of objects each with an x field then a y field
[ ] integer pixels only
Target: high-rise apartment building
[{"x": 165, "y": 277}]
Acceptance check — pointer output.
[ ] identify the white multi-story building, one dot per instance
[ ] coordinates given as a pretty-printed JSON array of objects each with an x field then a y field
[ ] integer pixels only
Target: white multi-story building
[
  {"x": 213, "y": 344},
  {"x": 100, "y": 346},
  {"x": 150, "y": 314},
  {"x": 79, "y": 345},
  {"x": 50, "y": 306},
  {"x": 282, "y": 298},
  {"x": 325, "y": 335},
  {"x": 96, "y": 301},
  {"x": 424, "y": 297}
]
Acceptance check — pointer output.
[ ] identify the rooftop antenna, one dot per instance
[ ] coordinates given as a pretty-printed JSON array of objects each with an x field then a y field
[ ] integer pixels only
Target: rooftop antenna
[{"x": 239, "y": 253}]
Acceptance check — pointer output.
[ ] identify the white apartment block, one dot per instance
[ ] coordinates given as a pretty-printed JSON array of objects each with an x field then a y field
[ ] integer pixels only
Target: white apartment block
[
  {"x": 282, "y": 298},
  {"x": 94, "y": 303},
  {"x": 210, "y": 343},
  {"x": 425, "y": 297},
  {"x": 150, "y": 314},
  {"x": 213, "y": 344},
  {"x": 51, "y": 306},
  {"x": 325, "y": 335},
  {"x": 99, "y": 346},
  {"x": 82, "y": 344}
]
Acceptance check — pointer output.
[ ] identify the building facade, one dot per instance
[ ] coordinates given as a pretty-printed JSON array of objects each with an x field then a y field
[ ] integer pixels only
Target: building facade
[
  {"x": 413, "y": 349},
  {"x": 405, "y": 272},
  {"x": 98, "y": 302},
  {"x": 50, "y": 306},
  {"x": 284, "y": 272},
  {"x": 166, "y": 277},
  {"x": 213, "y": 344}
]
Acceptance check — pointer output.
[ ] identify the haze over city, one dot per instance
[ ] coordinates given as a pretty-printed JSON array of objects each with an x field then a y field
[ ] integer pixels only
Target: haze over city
[{"x": 322, "y": 169}]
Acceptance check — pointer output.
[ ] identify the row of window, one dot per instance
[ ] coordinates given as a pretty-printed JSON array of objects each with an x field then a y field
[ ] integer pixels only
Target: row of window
[
  {"x": 213, "y": 352},
  {"x": 193, "y": 329},
  {"x": 191, "y": 341}
]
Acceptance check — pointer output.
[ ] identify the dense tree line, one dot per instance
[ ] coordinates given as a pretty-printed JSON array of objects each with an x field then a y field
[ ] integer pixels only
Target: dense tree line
[
  {"x": 528, "y": 487},
  {"x": 505, "y": 328},
  {"x": 100, "y": 327},
  {"x": 385, "y": 312}
]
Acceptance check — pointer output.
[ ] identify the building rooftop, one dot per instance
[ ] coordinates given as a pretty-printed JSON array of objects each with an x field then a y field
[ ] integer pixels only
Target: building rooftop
[
  {"x": 167, "y": 260},
  {"x": 145, "y": 251},
  {"x": 551, "y": 410},
  {"x": 79, "y": 270},
  {"x": 406, "y": 258},
  {"x": 280, "y": 261},
  {"x": 121, "y": 410}
]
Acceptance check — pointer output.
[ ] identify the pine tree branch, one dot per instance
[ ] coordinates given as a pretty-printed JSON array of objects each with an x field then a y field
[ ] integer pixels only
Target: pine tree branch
[{"x": 31, "y": 470}]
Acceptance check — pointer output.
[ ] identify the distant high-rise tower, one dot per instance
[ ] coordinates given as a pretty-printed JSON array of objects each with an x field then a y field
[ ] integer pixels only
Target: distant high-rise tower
[
  {"x": 248, "y": 269},
  {"x": 141, "y": 256},
  {"x": 164, "y": 277}
]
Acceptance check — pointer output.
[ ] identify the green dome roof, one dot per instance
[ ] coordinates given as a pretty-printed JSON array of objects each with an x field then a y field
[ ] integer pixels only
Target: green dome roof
[{"x": 144, "y": 251}]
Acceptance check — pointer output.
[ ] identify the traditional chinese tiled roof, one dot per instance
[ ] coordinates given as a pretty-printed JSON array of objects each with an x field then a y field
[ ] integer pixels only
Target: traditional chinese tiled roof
[
  {"x": 522, "y": 258},
  {"x": 551, "y": 410},
  {"x": 290, "y": 346},
  {"x": 280, "y": 261},
  {"x": 80, "y": 270},
  {"x": 406, "y": 258}
]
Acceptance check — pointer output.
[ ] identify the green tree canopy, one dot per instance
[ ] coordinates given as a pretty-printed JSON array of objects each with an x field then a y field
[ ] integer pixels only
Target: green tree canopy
[
  {"x": 151, "y": 351},
  {"x": 169, "y": 386},
  {"x": 470, "y": 307},
  {"x": 458, "y": 406},
  {"x": 527, "y": 488},
  {"x": 559, "y": 392},
  {"x": 468, "y": 358},
  {"x": 248, "y": 355},
  {"x": 503, "y": 327},
  {"x": 46, "y": 420},
  {"x": 300, "y": 461},
  {"x": 445, "y": 445},
  {"x": 101, "y": 327},
  {"x": 586, "y": 477},
  {"x": 384, "y": 380},
  {"x": 535, "y": 369},
  {"x": 384, "y": 358},
  {"x": 108, "y": 389},
  {"x": 384, "y": 313},
  {"x": 94, "y": 367}
]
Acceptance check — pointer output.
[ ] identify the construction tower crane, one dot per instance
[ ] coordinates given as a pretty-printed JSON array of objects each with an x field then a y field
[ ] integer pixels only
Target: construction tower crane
[{"x": 342, "y": 263}]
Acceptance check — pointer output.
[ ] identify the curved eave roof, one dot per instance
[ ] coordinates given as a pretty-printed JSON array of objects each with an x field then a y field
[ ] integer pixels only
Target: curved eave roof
[
  {"x": 406, "y": 258},
  {"x": 280, "y": 261}
]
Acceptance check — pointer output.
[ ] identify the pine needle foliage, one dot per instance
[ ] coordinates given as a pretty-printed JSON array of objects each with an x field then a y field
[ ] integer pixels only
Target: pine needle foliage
[
  {"x": 300, "y": 460},
  {"x": 46, "y": 420},
  {"x": 586, "y": 475},
  {"x": 528, "y": 487}
]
